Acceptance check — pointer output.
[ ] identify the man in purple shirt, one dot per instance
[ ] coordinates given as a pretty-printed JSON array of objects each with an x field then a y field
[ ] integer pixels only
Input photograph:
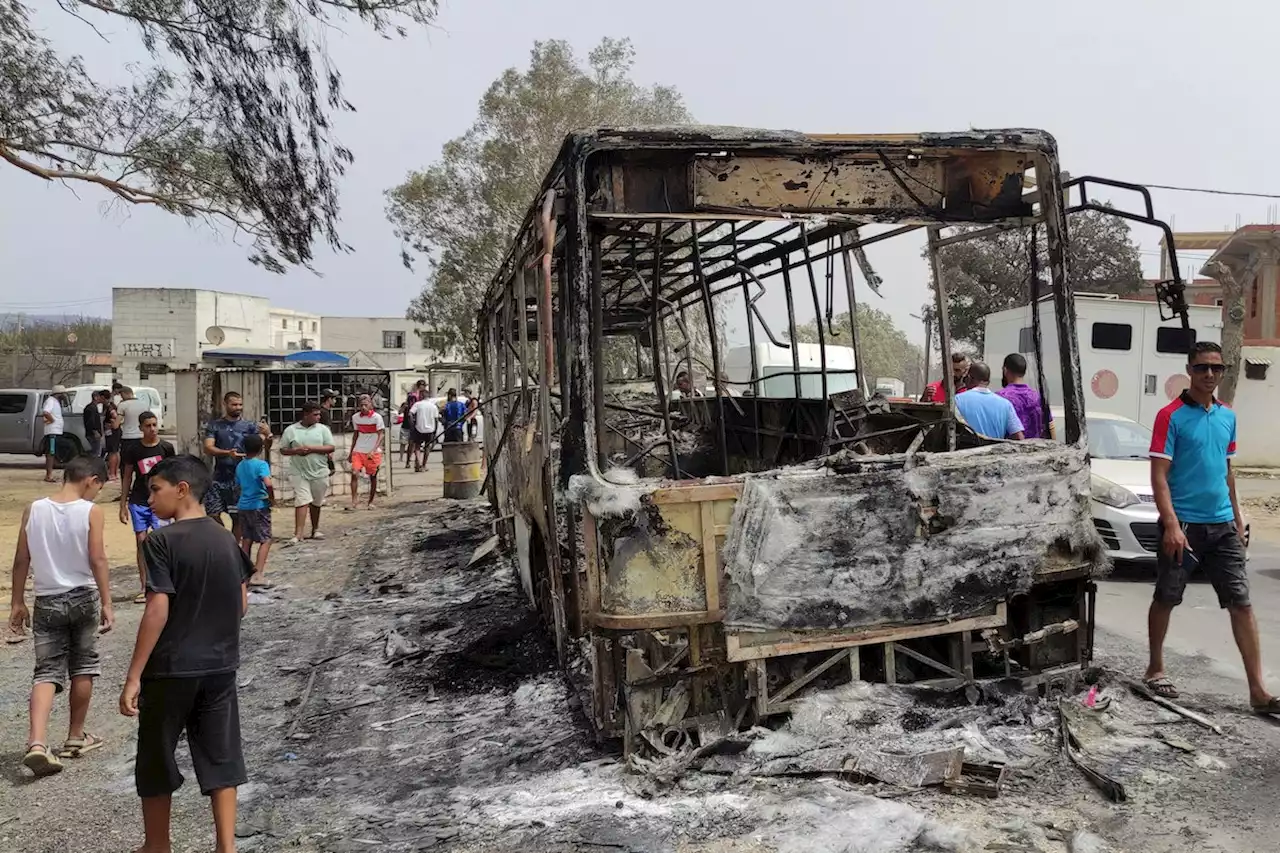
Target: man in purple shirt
[{"x": 1026, "y": 400}]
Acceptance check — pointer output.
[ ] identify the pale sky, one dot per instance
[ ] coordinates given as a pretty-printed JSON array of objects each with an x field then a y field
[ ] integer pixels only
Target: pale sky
[{"x": 1141, "y": 91}]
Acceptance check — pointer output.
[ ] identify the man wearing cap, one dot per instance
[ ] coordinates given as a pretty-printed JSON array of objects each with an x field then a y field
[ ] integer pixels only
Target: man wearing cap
[{"x": 51, "y": 412}]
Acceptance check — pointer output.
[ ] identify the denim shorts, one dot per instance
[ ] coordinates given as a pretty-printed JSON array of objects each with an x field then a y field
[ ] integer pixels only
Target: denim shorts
[
  {"x": 1217, "y": 550},
  {"x": 66, "y": 636}
]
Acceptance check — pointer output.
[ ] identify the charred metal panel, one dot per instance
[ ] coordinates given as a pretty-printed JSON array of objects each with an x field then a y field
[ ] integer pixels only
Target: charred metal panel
[
  {"x": 875, "y": 543},
  {"x": 838, "y": 184}
]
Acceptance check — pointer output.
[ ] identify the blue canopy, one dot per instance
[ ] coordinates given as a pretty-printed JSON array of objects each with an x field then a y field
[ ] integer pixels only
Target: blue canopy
[{"x": 319, "y": 356}]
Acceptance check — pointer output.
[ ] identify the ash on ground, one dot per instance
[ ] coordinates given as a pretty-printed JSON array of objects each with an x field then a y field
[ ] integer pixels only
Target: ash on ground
[{"x": 421, "y": 707}]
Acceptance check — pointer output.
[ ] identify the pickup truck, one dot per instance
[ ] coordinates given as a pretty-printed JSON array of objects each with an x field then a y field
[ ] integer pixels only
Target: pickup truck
[{"x": 22, "y": 426}]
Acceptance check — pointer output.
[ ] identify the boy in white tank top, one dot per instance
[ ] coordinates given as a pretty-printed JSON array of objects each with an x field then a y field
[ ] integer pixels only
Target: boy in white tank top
[{"x": 60, "y": 546}]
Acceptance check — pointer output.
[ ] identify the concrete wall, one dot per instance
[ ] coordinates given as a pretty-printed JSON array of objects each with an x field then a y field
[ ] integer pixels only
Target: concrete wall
[
  {"x": 1257, "y": 407},
  {"x": 362, "y": 339},
  {"x": 157, "y": 330},
  {"x": 295, "y": 329}
]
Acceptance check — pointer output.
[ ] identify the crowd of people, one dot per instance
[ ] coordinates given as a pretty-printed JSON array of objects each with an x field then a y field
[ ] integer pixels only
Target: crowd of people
[{"x": 1015, "y": 411}]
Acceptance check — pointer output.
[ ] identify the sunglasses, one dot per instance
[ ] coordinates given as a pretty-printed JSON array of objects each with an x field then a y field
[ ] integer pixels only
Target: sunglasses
[{"x": 1217, "y": 369}]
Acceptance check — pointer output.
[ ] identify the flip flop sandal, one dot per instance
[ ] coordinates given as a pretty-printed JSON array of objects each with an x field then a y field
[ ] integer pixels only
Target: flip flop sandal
[
  {"x": 74, "y": 747},
  {"x": 140, "y": 598},
  {"x": 13, "y": 639},
  {"x": 1162, "y": 687},
  {"x": 1272, "y": 707},
  {"x": 261, "y": 585},
  {"x": 40, "y": 762}
]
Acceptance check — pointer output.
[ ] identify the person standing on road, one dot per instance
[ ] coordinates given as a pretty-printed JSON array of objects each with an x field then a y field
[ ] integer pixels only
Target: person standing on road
[
  {"x": 129, "y": 410},
  {"x": 137, "y": 461},
  {"x": 308, "y": 444},
  {"x": 51, "y": 413},
  {"x": 1026, "y": 400},
  {"x": 182, "y": 675},
  {"x": 61, "y": 546},
  {"x": 1192, "y": 443},
  {"x": 936, "y": 391},
  {"x": 328, "y": 399},
  {"x": 423, "y": 417},
  {"x": 455, "y": 412},
  {"x": 366, "y": 450},
  {"x": 224, "y": 441},
  {"x": 93, "y": 428},
  {"x": 257, "y": 498},
  {"x": 111, "y": 434},
  {"x": 985, "y": 412}
]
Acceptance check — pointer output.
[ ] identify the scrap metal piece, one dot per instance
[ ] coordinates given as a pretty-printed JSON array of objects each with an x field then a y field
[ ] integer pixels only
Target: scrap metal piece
[
  {"x": 1113, "y": 789},
  {"x": 978, "y": 779},
  {"x": 912, "y": 770},
  {"x": 1145, "y": 692},
  {"x": 998, "y": 645}
]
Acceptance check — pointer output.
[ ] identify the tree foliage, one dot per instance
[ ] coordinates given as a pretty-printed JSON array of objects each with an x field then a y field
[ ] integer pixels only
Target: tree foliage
[
  {"x": 462, "y": 211},
  {"x": 230, "y": 123},
  {"x": 886, "y": 351},
  {"x": 994, "y": 273}
]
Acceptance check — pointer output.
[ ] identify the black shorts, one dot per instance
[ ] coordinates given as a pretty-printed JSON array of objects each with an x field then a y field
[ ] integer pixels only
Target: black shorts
[
  {"x": 1217, "y": 551},
  {"x": 220, "y": 498},
  {"x": 453, "y": 434},
  {"x": 255, "y": 525},
  {"x": 113, "y": 442},
  {"x": 208, "y": 710}
]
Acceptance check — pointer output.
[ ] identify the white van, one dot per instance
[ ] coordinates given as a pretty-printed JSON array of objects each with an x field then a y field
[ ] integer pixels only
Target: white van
[
  {"x": 1132, "y": 363},
  {"x": 774, "y": 360},
  {"x": 82, "y": 395}
]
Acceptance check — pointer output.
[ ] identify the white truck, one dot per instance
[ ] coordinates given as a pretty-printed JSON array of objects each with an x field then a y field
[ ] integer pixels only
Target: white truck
[{"x": 1132, "y": 362}]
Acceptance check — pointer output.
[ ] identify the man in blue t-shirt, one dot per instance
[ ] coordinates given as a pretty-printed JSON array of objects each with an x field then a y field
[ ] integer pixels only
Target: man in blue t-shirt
[
  {"x": 224, "y": 441},
  {"x": 455, "y": 412},
  {"x": 1192, "y": 444},
  {"x": 985, "y": 411}
]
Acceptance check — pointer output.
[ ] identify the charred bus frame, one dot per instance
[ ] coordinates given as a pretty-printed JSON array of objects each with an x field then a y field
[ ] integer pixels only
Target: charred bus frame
[{"x": 631, "y": 241}]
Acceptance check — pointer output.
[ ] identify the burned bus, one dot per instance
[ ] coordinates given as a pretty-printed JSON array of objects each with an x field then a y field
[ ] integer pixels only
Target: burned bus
[{"x": 710, "y": 507}]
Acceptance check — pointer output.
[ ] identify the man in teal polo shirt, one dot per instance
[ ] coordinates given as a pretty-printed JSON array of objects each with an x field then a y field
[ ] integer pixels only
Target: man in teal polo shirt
[{"x": 1192, "y": 444}]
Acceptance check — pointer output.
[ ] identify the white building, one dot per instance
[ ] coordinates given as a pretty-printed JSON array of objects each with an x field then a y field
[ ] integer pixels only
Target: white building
[
  {"x": 294, "y": 330},
  {"x": 155, "y": 330},
  {"x": 383, "y": 343}
]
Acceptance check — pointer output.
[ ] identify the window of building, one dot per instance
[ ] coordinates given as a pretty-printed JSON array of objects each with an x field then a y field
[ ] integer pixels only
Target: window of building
[
  {"x": 299, "y": 325},
  {"x": 1253, "y": 299},
  {"x": 284, "y": 322},
  {"x": 1174, "y": 339},
  {"x": 292, "y": 345},
  {"x": 393, "y": 340},
  {"x": 1115, "y": 336},
  {"x": 315, "y": 327},
  {"x": 1026, "y": 340}
]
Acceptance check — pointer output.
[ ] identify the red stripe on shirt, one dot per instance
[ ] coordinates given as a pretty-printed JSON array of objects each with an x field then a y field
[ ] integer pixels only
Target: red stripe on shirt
[{"x": 1160, "y": 430}]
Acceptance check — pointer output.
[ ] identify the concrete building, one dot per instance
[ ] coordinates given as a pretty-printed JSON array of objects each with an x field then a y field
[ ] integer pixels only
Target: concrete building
[
  {"x": 294, "y": 330},
  {"x": 383, "y": 343},
  {"x": 157, "y": 330}
]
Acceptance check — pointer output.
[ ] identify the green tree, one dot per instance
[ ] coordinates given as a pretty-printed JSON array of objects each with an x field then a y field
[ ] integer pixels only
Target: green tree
[
  {"x": 886, "y": 351},
  {"x": 462, "y": 211},
  {"x": 230, "y": 123},
  {"x": 993, "y": 273}
]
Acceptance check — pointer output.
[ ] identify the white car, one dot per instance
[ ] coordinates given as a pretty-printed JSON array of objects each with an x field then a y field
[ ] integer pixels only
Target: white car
[{"x": 1124, "y": 507}]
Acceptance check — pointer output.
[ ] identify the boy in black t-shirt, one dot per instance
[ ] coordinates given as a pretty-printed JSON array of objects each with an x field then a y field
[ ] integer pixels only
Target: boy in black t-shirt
[
  {"x": 138, "y": 458},
  {"x": 183, "y": 672}
]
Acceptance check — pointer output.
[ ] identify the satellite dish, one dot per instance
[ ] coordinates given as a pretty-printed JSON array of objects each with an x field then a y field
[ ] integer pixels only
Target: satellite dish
[{"x": 215, "y": 335}]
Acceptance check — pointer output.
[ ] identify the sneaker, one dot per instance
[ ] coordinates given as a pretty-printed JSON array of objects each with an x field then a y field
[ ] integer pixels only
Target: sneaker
[
  {"x": 317, "y": 535},
  {"x": 291, "y": 541}
]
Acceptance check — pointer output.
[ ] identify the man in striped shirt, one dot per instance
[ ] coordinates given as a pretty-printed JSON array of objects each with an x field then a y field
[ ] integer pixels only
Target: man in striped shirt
[{"x": 366, "y": 450}]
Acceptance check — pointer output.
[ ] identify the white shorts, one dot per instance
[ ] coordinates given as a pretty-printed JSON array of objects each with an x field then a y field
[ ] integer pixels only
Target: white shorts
[{"x": 309, "y": 491}]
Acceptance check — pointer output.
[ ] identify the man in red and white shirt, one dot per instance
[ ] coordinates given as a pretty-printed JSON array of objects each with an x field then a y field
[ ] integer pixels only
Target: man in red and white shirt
[{"x": 366, "y": 450}]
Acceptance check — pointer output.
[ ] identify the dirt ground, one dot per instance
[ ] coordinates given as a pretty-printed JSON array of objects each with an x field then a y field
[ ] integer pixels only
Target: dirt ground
[{"x": 394, "y": 698}]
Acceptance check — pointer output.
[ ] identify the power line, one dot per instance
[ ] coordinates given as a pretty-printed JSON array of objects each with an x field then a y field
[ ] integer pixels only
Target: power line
[{"x": 1209, "y": 192}]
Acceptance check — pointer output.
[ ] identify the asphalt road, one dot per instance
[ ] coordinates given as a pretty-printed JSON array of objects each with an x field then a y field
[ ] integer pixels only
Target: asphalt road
[{"x": 1199, "y": 628}]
